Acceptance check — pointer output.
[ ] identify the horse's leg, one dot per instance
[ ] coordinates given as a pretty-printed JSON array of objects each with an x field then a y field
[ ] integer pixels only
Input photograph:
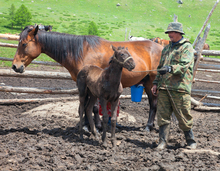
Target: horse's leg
[
  {"x": 86, "y": 122},
  {"x": 114, "y": 106},
  {"x": 89, "y": 109},
  {"x": 152, "y": 102},
  {"x": 103, "y": 104},
  {"x": 81, "y": 111},
  {"x": 96, "y": 116},
  {"x": 83, "y": 96}
]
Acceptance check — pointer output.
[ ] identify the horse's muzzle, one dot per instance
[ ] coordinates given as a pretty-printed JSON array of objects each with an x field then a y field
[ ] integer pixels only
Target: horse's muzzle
[
  {"x": 20, "y": 69},
  {"x": 131, "y": 66}
]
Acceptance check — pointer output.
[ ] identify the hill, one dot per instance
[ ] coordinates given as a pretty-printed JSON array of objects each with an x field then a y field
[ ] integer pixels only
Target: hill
[{"x": 140, "y": 18}]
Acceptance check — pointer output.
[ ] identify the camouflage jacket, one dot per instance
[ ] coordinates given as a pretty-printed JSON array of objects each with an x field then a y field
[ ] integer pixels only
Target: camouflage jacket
[{"x": 181, "y": 57}]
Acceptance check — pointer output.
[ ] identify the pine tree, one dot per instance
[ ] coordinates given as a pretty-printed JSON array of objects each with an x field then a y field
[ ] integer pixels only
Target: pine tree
[
  {"x": 12, "y": 15},
  {"x": 92, "y": 29},
  {"x": 22, "y": 16}
]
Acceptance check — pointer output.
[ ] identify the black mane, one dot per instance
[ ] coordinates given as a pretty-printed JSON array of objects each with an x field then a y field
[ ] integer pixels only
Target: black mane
[{"x": 61, "y": 45}]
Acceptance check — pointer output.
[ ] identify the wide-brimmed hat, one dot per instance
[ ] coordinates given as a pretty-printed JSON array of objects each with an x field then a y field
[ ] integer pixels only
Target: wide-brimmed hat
[{"x": 175, "y": 26}]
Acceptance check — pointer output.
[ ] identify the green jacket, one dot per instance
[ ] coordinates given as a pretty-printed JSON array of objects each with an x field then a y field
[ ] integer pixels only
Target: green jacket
[{"x": 181, "y": 58}]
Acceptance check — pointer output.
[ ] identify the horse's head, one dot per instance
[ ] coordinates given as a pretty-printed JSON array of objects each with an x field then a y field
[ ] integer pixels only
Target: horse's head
[
  {"x": 48, "y": 28},
  {"x": 123, "y": 57},
  {"x": 28, "y": 49}
]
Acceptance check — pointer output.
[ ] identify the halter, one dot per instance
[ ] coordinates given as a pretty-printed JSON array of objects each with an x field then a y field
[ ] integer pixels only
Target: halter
[
  {"x": 121, "y": 63},
  {"x": 25, "y": 44}
]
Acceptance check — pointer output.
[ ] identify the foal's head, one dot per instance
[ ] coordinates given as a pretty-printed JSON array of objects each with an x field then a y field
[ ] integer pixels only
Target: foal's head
[{"x": 123, "y": 57}]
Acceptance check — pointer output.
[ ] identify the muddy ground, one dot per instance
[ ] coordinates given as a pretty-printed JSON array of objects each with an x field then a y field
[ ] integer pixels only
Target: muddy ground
[{"x": 44, "y": 135}]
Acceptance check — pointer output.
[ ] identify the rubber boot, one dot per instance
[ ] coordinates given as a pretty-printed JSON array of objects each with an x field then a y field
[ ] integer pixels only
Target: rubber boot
[
  {"x": 191, "y": 143},
  {"x": 164, "y": 131}
]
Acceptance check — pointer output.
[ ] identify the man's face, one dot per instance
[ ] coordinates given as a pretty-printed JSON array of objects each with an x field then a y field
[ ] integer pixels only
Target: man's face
[{"x": 174, "y": 36}]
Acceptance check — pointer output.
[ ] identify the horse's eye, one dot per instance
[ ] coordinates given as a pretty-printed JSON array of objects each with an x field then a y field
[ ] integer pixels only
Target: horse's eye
[
  {"x": 24, "y": 45},
  {"x": 122, "y": 54}
]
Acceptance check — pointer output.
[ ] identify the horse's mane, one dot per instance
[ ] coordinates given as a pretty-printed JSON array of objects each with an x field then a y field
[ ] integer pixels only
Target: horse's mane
[{"x": 62, "y": 45}]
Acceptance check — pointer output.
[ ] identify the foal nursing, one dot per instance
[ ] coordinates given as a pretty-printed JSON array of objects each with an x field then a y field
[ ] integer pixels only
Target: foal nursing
[{"x": 105, "y": 84}]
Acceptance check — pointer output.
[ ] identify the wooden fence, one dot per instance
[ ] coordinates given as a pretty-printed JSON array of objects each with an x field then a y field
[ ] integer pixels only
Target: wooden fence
[{"x": 213, "y": 68}]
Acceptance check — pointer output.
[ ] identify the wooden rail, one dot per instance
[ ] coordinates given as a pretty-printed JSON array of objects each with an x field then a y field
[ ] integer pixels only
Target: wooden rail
[
  {"x": 34, "y": 62},
  {"x": 16, "y": 37},
  {"x": 38, "y": 90},
  {"x": 36, "y": 74},
  {"x": 65, "y": 75}
]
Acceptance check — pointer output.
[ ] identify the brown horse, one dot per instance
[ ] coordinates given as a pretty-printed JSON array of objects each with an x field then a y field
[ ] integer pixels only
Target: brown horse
[
  {"x": 104, "y": 84},
  {"x": 73, "y": 52},
  {"x": 205, "y": 47},
  {"x": 162, "y": 42}
]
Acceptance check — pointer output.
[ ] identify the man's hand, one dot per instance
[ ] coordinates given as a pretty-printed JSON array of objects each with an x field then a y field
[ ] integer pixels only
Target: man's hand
[
  {"x": 165, "y": 69},
  {"x": 154, "y": 90}
]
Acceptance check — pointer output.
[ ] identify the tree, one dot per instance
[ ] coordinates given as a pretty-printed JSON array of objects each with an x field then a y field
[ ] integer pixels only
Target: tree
[
  {"x": 92, "y": 29},
  {"x": 22, "y": 16},
  {"x": 11, "y": 15}
]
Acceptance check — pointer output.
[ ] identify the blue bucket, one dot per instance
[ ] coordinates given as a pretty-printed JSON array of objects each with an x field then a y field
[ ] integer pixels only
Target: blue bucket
[{"x": 136, "y": 93}]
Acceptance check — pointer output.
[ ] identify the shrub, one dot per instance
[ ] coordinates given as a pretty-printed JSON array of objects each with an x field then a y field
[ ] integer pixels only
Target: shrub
[
  {"x": 92, "y": 29},
  {"x": 22, "y": 16}
]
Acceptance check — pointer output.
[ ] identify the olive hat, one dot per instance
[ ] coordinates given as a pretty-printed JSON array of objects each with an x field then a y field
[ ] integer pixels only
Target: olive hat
[{"x": 175, "y": 26}]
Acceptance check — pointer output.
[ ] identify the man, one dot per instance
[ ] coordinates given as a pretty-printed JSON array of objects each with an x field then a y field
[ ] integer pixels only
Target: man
[{"x": 173, "y": 85}]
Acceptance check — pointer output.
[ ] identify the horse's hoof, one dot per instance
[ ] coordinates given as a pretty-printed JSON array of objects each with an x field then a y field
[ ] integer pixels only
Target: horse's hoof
[
  {"x": 148, "y": 128},
  {"x": 104, "y": 144},
  {"x": 99, "y": 126},
  {"x": 113, "y": 144},
  {"x": 85, "y": 128}
]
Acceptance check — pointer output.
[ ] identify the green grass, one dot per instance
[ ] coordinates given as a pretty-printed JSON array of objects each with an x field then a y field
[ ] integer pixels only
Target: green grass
[{"x": 140, "y": 17}]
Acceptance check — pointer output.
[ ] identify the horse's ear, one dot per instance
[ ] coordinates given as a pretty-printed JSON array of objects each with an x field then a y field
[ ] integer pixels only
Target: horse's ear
[
  {"x": 36, "y": 30},
  {"x": 113, "y": 48},
  {"x": 33, "y": 31}
]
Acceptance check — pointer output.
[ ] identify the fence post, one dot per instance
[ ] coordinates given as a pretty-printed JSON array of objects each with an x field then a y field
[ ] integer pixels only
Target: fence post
[
  {"x": 206, "y": 21},
  {"x": 198, "y": 48}
]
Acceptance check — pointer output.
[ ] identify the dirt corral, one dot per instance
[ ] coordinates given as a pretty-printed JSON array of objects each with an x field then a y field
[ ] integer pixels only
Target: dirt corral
[{"x": 44, "y": 136}]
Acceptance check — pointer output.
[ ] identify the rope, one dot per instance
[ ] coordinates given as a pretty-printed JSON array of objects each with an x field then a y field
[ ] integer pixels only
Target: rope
[
  {"x": 149, "y": 70},
  {"x": 175, "y": 104}
]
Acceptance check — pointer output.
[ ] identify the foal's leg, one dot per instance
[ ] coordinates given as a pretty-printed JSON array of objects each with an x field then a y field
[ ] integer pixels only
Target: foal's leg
[
  {"x": 89, "y": 109},
  {"x": 114, "y": 106},
  {"x": 83, "y": 95},
  {"x": 103, "y": 104},
  {"x": 96, "y": 116},
  {"x": 81, "y": 111},
  {"x": 153, "y": 103}
]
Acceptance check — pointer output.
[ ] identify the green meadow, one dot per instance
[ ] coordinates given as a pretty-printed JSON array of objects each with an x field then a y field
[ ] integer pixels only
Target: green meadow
[{"x": 141, "y": 18}]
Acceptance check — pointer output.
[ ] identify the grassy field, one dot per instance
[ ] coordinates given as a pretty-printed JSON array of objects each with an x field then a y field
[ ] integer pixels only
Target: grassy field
[{"x": 144, "y": 18}]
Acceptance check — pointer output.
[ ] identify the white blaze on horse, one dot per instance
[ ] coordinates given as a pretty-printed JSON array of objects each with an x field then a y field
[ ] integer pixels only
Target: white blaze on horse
[{"x": 106, "y": 85}]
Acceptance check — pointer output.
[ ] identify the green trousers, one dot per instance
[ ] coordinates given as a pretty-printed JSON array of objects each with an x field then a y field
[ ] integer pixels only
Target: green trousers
[{"x": 179, "y": 103}]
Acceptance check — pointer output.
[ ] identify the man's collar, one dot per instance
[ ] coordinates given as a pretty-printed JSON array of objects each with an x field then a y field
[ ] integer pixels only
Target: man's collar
[{"x": 174, "y": 43}]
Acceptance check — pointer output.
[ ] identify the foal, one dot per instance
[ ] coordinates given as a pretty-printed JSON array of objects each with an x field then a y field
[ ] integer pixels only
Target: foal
[{"x": 104, "y": 84}]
